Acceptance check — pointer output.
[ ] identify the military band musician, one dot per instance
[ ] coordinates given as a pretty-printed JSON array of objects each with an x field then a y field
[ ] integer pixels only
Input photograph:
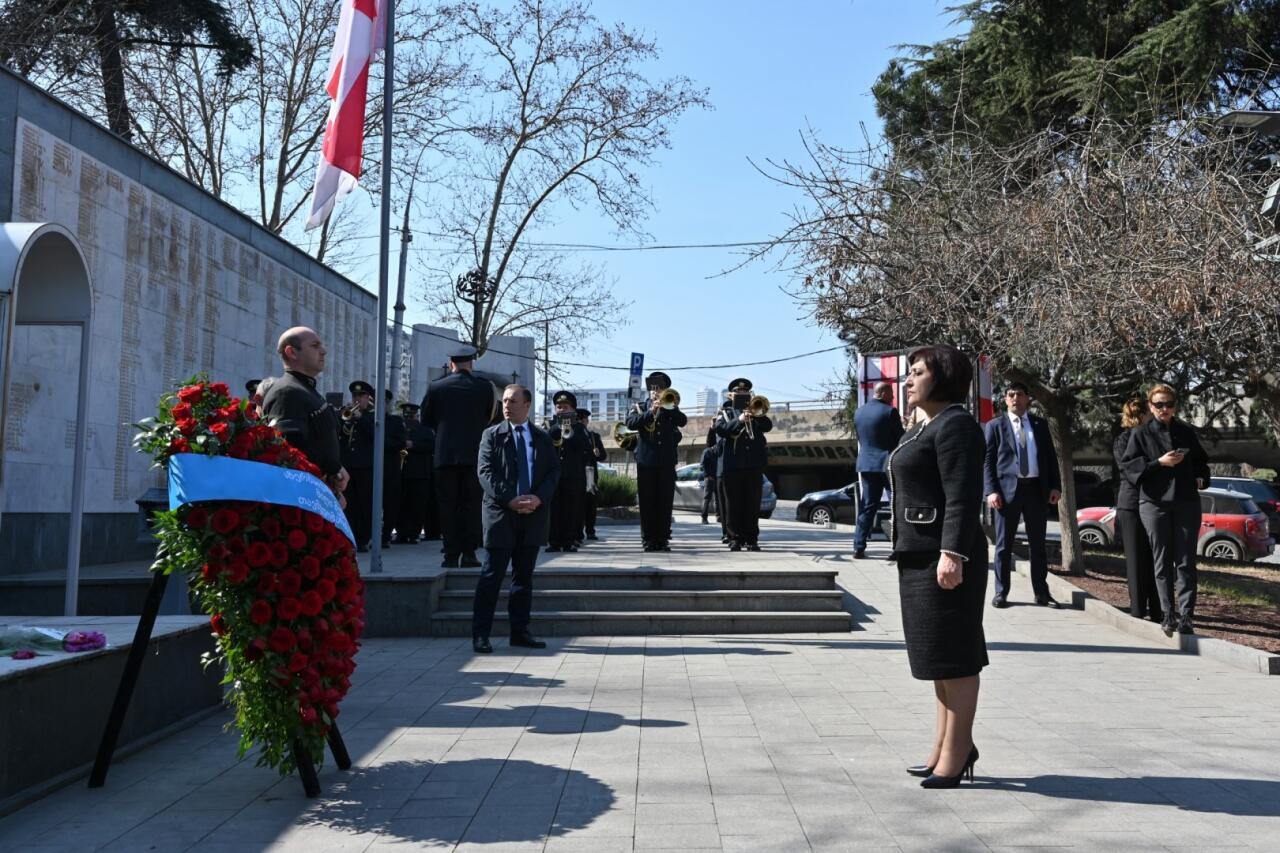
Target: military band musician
[{"x": 657, "y": 424}]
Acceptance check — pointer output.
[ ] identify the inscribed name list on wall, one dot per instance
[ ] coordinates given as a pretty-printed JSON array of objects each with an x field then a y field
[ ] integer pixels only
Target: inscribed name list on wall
[{"x": 172, "y": 294}]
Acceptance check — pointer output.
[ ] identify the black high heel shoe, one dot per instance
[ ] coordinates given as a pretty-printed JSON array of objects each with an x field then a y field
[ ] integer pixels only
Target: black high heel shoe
[
  {"x": 921, "y": 770},
  {"x": 936, "y": 781}
]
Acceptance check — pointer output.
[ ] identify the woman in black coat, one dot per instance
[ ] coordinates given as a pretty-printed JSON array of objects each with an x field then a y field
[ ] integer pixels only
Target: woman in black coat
[
  {"x": 935, "y": 475},
  {"x": 1144, "y": 603}
]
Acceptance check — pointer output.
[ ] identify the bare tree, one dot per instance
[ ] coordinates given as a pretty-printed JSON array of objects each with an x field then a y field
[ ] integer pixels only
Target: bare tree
[
  {"x": 1081, "y": 264},
  {"x": 565, "y": 116}
]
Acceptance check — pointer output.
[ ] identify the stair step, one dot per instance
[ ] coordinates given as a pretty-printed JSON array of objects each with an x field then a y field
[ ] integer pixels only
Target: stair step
[
  {"x": 663, "y": 579},
  {"x": 596, "y": 623},
  {"x": 666, "y": 600}
]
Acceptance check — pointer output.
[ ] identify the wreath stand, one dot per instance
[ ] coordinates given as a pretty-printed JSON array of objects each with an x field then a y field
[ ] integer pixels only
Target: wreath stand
[{"x": 129, "y": 680}]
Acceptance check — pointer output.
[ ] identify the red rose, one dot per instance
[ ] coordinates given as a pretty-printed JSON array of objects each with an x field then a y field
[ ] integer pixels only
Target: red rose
[
  {"x": 297, "y": 540},
  {"x": 253, "y": 653},
  {"x": 298, "y": 662},
  {"x": 311, "y": 602},
  {"x": 181, "y": 412},
  {"x": 321, "y": 626},
  {"x": 220, "y": 388},
  {"x": 313, "y": 523},
  {"x": 259, "y": 555},
  {"x": 308, "y": 715},
  {"x": 197, "y": 517},
  {"x": 186, "y": 426},
  {"x": 210, "y": 573},
  {"x": 290, "y": 515},
  {"x": 218, "y": 624},
  {"x": 179, "y": 445},
  {"x": 238, "y": 571},
  {"x": 221, "y": 431},
  {"x": 260, "y": 612},
  {"x": 326, "y": 589},
  {"x": 270, "y": 527},
  {"x": 309, "y": 567},
  {"x": 225, "y": 522},
  {"x": 322, "y": 549},
  {"x": 266, "y": 582},
  {"x": 288, "y": 609},
  {"x": 281, "y": 640},
  {"x": 250, "y": 414},
  {"x": 191, "y": 394},
  {"x": 279, "y": 554},
  {"x": 290, "y": 582},
  {"x": 304, "y": 639}
]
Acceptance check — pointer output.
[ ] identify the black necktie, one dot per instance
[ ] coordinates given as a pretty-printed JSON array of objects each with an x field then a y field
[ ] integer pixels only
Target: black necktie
[
  {"x": 1024, "y": 462},
  {"x": 522, "y": 462}
]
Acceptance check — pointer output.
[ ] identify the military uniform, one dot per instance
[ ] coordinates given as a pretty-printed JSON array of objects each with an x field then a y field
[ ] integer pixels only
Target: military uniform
[
  {"x": 589, "y": 500},
  {"x": 742, "y": 463},
  {"x": 711, "y": 478},
  {"x": 299, "y": 411},
  {"x": 357, "y": 458},
  {"x": 658, "y": 434},
  {"x": 416, "y": 498},
  {"x": 393, "y": 443},
  {"x": 459, "y": 408},
  {"x": 575, "y": 452}
]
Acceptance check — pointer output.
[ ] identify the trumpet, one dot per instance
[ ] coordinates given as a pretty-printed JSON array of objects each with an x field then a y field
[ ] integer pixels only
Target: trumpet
[
  {"x": 625, "y": 438},
  {"x": 669, "y": 399},
  {"x": 565, "y": 420},
  {"x": 350, "y": 411}
]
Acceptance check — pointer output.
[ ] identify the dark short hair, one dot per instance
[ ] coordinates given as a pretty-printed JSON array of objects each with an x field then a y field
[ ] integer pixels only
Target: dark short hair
[
  {"x": 951, "y": 369},
  {"x": 528, "y": 395},
  {"x": 1017, "y": 386}
]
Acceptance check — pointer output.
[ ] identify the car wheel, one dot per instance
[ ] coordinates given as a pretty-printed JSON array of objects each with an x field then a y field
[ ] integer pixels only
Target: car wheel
[
  {"x": 1092, "y": 536},
  {"x": 820, "y": 515},
  {"x": 1223, "y": 549}
]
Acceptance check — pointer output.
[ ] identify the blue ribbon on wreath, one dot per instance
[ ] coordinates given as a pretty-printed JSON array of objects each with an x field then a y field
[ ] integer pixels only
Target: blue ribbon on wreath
[{"x": 194, "y": 477}]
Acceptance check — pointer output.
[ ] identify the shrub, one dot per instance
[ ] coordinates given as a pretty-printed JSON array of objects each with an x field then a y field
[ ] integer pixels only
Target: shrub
[{"x": 615, "y": 490}]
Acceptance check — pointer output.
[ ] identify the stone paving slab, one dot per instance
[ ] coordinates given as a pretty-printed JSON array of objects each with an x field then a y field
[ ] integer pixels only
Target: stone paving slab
[{"x": 1091, "y": 739}]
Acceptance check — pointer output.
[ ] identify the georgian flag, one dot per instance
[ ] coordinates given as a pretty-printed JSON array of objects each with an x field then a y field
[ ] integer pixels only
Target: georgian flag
[{"x": 360, "y": 37}]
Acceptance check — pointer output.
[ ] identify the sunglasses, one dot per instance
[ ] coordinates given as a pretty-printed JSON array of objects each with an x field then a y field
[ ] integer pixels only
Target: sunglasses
[{"x": 1163, "y": 405}]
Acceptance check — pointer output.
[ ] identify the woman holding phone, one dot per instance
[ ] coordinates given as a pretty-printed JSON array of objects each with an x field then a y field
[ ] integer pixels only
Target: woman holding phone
[
  {"x": 935, "y": 475},
  {"x": 1167, "y": 465}
]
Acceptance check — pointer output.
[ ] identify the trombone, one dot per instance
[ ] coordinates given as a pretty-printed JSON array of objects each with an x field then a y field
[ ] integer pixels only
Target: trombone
[{"x": 757, "y": 407}]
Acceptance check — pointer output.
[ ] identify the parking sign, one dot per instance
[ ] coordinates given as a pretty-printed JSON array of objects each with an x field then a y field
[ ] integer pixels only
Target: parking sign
[{"x": 636, "y": 385}]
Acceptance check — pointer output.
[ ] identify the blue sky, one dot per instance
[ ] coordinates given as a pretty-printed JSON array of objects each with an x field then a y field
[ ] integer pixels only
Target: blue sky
[{"x": 772, "y": 68}]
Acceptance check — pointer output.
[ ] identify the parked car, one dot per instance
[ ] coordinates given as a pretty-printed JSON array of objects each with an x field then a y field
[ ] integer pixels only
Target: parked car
[
  {"x": 839, "y": 505},
  {"x": 1091, "y": 490},
  {"x": 1232, "y": 527},
  {"x": 691, "y": 485},
  {"x": 1264, "y": 494}
]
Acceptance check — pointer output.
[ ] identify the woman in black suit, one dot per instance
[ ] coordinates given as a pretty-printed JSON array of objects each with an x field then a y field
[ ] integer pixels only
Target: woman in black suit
[
  {"x": 1144, "y": 602},
  {"x": 936, "y": 478}
]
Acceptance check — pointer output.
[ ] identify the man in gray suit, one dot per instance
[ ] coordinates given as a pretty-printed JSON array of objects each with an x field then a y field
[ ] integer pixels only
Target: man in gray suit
[
  {"x": 879, "y": 430},
  {"x": 518, "y": 470}
]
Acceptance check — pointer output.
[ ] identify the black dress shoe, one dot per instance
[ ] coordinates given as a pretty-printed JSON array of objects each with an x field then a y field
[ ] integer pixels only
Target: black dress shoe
[
  {"x": 592, "y": 537},
  {"x": 999, "y": 601},
  {"x": 552, "y": 549},
  {"x": 1185, "y": 626},
  {"x": 528, "y": 641},
  {"x": 734, "y": 546},
  {"x": 860, "y": 554},
  {"x": 936, "y": 781},
  {"x": 921, "y": 770},
  {"x": 1168, "y": 626},
  {"x": 572, "y": 549},
  {"x": 469, "y": 561},
  {"x": 752, "y": 546},
  {"x": 665, "y": 546},
  {"x": 1156, "y": 617},
  {"x": 1048, "y": 601},
  {"x": 481, "y": 645}
]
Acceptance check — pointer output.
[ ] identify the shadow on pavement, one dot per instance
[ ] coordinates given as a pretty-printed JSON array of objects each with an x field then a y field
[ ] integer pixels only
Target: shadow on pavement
[
  {"x": 665, "y": 651},
  {"x": 545, "y": 720},
  {"x": 484, "y": 801},
  {"x": 1238, "y": 797},
  {"x": 999, "y": 646}
]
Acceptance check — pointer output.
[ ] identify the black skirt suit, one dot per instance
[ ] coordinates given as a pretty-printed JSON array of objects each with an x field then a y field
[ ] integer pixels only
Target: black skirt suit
[{"x": 936, "y": 477}]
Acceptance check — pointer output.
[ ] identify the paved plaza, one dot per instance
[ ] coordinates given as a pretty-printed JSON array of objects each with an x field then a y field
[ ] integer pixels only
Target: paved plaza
[{"x": 1090, "y": 739}]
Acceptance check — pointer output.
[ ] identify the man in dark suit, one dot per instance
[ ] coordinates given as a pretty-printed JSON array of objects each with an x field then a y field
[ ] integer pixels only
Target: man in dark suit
[
  {"x": 357, "y": 458},
  {"x": 415, "y": 477},
  {"x": 292, "y": 404},
  {"x": 879, "y": 429},
  {"x": 458, "y": 407},
  {"x": 394, "y": 443},
  {"x": 598, "y": 455},
  {"x": 518, "y": 470},
  {"x": 1020, "y": 476},
  {"x": 710, "y": 478}
]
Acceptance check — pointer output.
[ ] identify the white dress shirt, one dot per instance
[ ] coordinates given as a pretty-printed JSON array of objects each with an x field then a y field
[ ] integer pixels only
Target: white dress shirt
[
  {"x": 528, "y": 445},
  {"x": 1028, "y": 435}
]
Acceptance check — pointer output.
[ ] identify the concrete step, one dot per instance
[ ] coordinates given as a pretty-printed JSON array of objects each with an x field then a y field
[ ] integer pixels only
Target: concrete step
[
  {"x": 545, "y": 623},
  {"x": 671, "y": 601},
  {"x": 662, "y": 579}
]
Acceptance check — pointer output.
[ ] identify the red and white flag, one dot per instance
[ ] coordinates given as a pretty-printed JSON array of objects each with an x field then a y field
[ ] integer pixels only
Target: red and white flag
[{"x": 360, "y": 36}]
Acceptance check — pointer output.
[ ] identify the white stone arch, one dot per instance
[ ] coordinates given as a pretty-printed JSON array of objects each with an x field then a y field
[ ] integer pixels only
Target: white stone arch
[{"x": 44, "y": 280}]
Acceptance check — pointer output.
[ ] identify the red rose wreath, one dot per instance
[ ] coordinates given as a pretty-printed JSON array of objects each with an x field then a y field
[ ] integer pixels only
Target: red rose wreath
[{"x": 280, "y": 585}]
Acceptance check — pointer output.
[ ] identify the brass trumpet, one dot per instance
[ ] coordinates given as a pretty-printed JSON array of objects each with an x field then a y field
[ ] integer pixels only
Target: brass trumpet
[
  {"x": 565, "y": 421},
  {"x": 669, "y": 399},
  {"x": 625, "y": 438}
]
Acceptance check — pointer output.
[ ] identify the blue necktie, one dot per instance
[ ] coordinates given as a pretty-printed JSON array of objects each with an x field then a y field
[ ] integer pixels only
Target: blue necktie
[{"x": 522, "y": 462}]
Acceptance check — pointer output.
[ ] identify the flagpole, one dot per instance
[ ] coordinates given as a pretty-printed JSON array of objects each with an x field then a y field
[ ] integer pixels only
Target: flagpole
[{"x": 384, "y": 251}]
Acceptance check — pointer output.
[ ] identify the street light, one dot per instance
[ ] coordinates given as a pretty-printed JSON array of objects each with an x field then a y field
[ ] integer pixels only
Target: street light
[{"x": 1264, "y": 122}]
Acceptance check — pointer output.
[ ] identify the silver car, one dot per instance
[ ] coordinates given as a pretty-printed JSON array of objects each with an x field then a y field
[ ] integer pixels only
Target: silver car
[{"x": 691, "y": 486}]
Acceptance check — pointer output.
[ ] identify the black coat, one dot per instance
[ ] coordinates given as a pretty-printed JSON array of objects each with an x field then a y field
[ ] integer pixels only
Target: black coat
[
  {"x": 294, "y": 406},
  {"x": 575, "y": 453},
  {"x": 1154, "y": 481},
  {"x": 711, "y": 460},
  {"x": 357, "y": 442},
  {"x": 598, "y": 453},
  {"x": 498, "y": 475},
  {"x": 1127, "y": 492},
  {"x": 741, "y": 452},
  {"x": 420, "y": 461},
  {"x": 935, "y": 475},
  {"x": 458, "y": 407},
  {"x": 657, "y": 447}
]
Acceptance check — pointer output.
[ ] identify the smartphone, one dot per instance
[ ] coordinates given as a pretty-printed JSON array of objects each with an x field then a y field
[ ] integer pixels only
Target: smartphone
[{"x": 1183, "y": 450}]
